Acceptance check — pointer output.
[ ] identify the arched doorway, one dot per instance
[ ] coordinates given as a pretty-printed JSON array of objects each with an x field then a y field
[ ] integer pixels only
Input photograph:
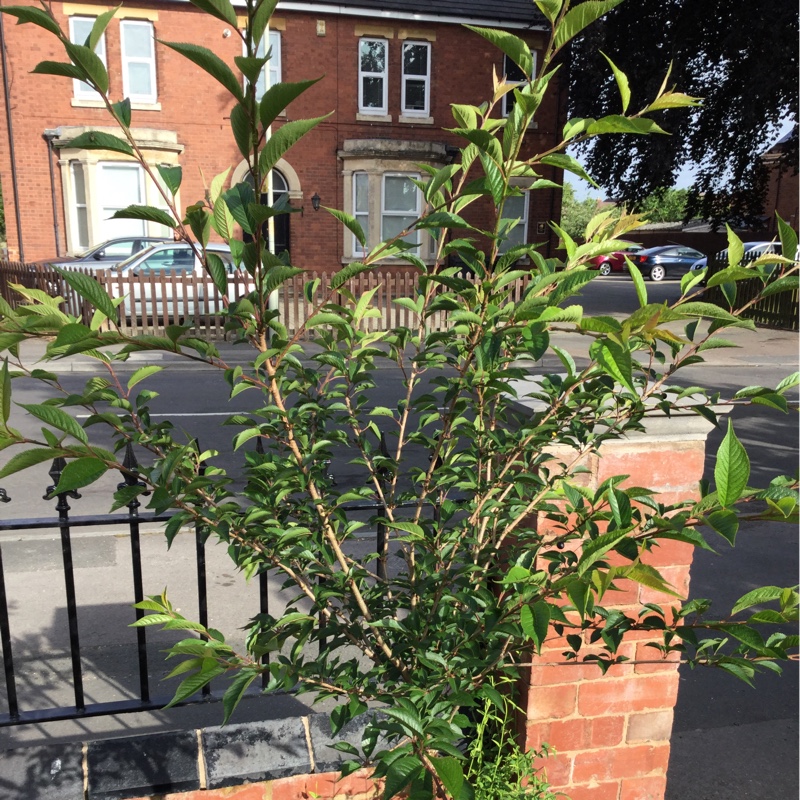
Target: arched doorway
[{"x": 276, "y": 195}]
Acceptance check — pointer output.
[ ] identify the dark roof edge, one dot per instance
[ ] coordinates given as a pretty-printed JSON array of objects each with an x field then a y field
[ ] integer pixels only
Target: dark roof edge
[{"x": 533, "y": 21}]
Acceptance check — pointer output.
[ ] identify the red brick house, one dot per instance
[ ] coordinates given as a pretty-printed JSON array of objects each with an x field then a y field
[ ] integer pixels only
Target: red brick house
[{"x": 391, "y": 70}]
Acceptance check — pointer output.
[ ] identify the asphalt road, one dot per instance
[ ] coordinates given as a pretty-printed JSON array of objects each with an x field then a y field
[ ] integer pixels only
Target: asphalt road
[{"x": 730, "y": 741}]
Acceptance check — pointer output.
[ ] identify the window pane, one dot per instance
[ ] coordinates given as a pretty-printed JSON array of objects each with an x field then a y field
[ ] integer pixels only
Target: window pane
[
  {"x": 415, "y": 59},
  {"x": 138, "y": 41},
  {"x": 394, "y": 225},
  {"x": 514, "y": 208},
  {"x": 139, "y": 79},
  {"x": 81, "y": 28},
  {"x": 82, "y": 218},
  {"x": 513, "y": 72},
  {"x": 373, "y": 93},
  {"x": 373, "y": 56},
  {"x": 79, "y": 184},
  {"x": 399, "y": 194},
  {"x": 120, "y": 186},
  {"x": 415, "y": 96},
  {"x": 361, "y": 183}
]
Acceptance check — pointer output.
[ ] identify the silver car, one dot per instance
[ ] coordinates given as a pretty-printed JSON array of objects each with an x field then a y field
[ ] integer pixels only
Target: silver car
[{"x": 167, "y": 282}]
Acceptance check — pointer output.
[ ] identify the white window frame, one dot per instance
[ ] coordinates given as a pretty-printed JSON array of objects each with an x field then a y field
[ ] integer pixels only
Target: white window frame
[
  {"x": 80, "y": 89},
  {"x": 389, "y": 213},
  {"x": 272, "y": 72},
  {"x": 505, "y": 108},
  {"x": 426, "y": 79},
  {"x": 384, "y": 76},
  {"x": 523, "y": 223},
  {"x": 362, "y": 217},
  {"x": 106, "y": 211},
  {"x": 151, "y": 98},
  {"x": 79, "y": 207}
]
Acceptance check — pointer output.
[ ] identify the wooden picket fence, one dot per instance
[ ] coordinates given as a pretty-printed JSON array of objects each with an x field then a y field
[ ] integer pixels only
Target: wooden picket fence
[
  {"x": 158, "y": 300},
  {"x": 774, "y": 311}
]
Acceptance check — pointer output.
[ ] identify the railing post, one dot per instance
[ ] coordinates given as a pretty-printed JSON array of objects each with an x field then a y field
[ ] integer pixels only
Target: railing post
[
  {"x": 5, "y": 640},
  {"x": 131, "y": 479},
  {"x": 200, "y": 536},
  {"x": 63, "y": 507}
]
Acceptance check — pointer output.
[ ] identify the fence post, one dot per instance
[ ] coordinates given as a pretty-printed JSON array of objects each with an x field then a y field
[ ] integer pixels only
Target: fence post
[{"x": 63, "y": 507}]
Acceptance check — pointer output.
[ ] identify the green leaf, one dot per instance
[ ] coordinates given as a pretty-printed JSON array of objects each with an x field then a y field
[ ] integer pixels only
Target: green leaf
[
  {"x": 638, "y": 282},
  {"x": 789, "y": 283},
  {"x": 122, "y": 111},
  {"x": 99, "y": 27},
  {"x": 211, "y": 63},
  {"x": 242, "y": 129},
  {"x": 735, "y": 248},
  {"x": 282, "y": 139},
  {"x": 78, "y": 473},
  {"x": 351, "y": 223},
  {"x": 764, "y": 594},
  {"x": 399, "y": 774},
  {"x": 56, "y": 418},
  {"x": 97, "y": 140},
  {"x": 5, "y": 393},
  {"x": 568, "y": 163},
  {"x": 616, "y": 123},
  {"x": 58, "y": 68},
  {"x": 278, "y": 96},
  {"x": 580, "y": 17},
  {"x": 34, "y": 15},
  {"x": 597, "y": 548},
  {"x": 732, "y": 469},
  {"x": 28, "y": 458},
  {"x": 726, "y": 523},
  {"x": 142, "y": 373},
  {"x": 514, "y": 47},
  {"x": 217, "y": 271},
  {"x": 450, "y": 774},
  {"x": 788, "y": 237},
  {"x": 172, "y": 177},
  {"x": 147, "y": 213},
  {"x": 89, "y": 289},
  {"x": 195, "y": 683},
  {"x": 647, "y": 576},
  {"x": 221, "y": 9},
  {"x": 622, "y": 83},
  {"x": 550, "y": 8},
  {"x": 615, "y": 361},
  {"x": 236, "y": 691},
  {"x": 90, "y": 63},
  {"x": 535, "y": 622}
]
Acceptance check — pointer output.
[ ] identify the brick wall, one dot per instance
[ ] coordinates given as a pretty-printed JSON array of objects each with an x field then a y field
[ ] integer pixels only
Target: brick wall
[
  {"x": 611, "y": 732},
  {"x": 197, "y": 109}
]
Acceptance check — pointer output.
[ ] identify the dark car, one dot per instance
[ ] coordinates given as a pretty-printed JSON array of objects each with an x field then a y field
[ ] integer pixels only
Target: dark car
[
  {"x": 106, "y": 254},
  {"x": 667, "y": 261},
  {"x": 614, "y": 262}
]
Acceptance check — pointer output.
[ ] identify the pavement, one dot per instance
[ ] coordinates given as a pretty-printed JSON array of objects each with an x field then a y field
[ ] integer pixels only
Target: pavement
[{"x": 753, "y": 348}]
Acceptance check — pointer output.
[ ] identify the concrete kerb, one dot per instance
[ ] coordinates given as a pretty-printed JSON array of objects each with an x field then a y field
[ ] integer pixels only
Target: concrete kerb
[{"x": 762, "y": 347}]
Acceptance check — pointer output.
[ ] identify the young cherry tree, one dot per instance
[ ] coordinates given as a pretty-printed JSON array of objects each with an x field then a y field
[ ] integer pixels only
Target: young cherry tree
[{"x": 479, "y": 587}]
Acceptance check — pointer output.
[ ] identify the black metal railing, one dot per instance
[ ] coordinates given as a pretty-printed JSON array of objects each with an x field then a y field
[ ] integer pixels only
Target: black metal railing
[
  {"x": 131, "y": 521},
  {"x": 66, "y": 524}
]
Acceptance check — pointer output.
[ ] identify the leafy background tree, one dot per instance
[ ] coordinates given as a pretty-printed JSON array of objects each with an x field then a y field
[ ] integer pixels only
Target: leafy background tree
[{"x": 740, "y": 56}]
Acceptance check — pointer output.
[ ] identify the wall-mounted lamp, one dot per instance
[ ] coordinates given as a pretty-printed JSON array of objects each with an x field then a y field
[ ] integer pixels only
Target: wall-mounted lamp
[{"x": 315, "y": 201}]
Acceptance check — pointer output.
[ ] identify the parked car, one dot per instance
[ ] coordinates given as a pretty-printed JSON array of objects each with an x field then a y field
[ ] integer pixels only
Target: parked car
[
  {"x": 752, "y": 250},
  {"x": 614, "y": 262},
  {"x": 666, "y": 261},
  {"x": 106, "y": 254},
  {"x": 168, "y": 280}
]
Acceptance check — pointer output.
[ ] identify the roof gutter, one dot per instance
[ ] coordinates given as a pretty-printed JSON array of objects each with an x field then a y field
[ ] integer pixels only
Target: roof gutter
[{"x": 342, "y": 9}]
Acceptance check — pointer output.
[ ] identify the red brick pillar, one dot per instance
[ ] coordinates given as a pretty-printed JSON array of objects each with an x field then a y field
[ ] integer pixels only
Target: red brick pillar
[{"x": 611, "y": 732}]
